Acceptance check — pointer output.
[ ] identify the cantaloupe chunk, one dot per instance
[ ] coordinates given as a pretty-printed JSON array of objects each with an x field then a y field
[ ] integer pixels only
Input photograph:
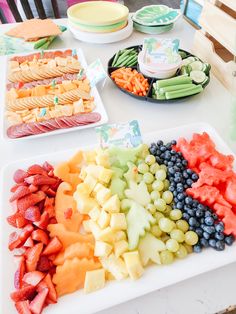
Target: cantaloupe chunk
[
  {"x": 70, "y": 276},
  {"x": 62, "y": 170},
  {"x": 75, "y": 162}
]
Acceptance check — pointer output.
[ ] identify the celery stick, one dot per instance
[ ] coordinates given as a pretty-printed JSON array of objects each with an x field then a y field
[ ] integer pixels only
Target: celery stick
[
  {"x": 184, "y": 92},
  {"x": 163, "y": 90},
  {"x": 182, "y": 79}
]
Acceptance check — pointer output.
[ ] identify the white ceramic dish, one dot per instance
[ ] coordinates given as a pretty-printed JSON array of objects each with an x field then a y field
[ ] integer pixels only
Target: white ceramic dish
[
  {"x": 94, "y": 92},
  {"x": 154, "y": 278},
  {"x": 102, "y": 38}
]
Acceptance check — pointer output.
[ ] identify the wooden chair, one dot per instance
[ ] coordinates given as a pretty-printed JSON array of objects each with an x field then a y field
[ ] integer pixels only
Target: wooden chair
[{"x": 27, "y": 9}]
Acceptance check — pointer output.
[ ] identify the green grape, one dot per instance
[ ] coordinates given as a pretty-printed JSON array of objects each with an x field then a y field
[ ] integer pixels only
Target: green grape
[
  {"x": 139, "y": 177},
  {"x": 155, "y": 195},
  {"x": 177, "y": 235},
  {"x": 151, "y": 208},
  {"x": 182, "y": 225},
  {"x": 176, "y": 214},
  {"x": 163, "y": 167},
  {"x": 154, "y": 168},
  {"x": 143, "y": 168},
  {"x": 167, "y": 196},
  {"x": 125, "y": 204},
  {"x": 156, "y": 231},
  {"x": 172, "y": 245},
  {"x": 166, "y": 225},
  {"x": 158, "y": 216},
  {"x": 150, "y": 160},
  {"x": 158, "y": 185},
  {"x": 161, "y": 175},
  {"x": 168, "y": 210},
  {"x": 160, "y": 204},
  {"x": 166, "y": 184},
  {"x": 149, "y": 187},
  {"x": 191, "y": 238},
  {"x": 189, "y": 248},
  {"x": 166, "y": 257},
  {"x": 165, "y": 237},
  {"x": 182, "y": 251},
  {"x": 148, "y": 178}
]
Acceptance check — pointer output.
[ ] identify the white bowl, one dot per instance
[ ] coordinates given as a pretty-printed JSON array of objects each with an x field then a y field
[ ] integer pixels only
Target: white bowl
[{"x": 158, "y": 74}]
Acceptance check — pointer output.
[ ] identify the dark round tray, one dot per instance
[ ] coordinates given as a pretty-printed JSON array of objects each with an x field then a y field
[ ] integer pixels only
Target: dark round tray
[{"x": 148, "y": 97}]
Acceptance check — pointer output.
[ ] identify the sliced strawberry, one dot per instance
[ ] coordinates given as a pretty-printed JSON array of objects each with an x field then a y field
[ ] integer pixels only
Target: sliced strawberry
[
  {"x": 44, "y": 187},
  {"x": 33, "y": 278},
  {"x": 33, "y": 188},
  {"x": 29, "y": 242},
  {"x": 68, "y": 213},
  {"x": 19, "y": 273},
  {"x": 36, "y": 306},
  {"x": 40, "y": 236},
  {"x": 30, "y": 200},
  {"x": 50, "y": 210},
  {"x": 23, "y": 294},
  {"x": 20, "y": 192},
  {"x": 47, "y": 282},
  {"x": 49, "y": 201},
  {"x": 20, "y": 175},
  {"x": 36, "y": 169},
  {"x": 44, "y": 264},
  {"x": 41, "y": 205},
  {"x": 52, "y": 257},
  {"x": 26, "y": 232},
  {"x": 40, "y": 179},
  {"x": 53, "y": 247},
  {"x": 14, "y": 241},
  {"x": 47, "y": 166},
  {"x": 17, "y": 220},
  {"x": 15, "y": 187},
  {"x": 50, "y": 192},
  {"x": 52, "y": 221},
  {"x": 51, "y": 173},
  {"x": 43, "y": 222},
  {"x": 55, "y": 186},
  {"x": 22, "y": 307},
  {"x": 32, "y": 213},
  {"x": 33, "y": 256}
]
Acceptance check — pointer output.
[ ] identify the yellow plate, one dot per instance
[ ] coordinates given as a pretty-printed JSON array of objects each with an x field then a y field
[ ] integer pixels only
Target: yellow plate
[{"x": 98, "y": 13}]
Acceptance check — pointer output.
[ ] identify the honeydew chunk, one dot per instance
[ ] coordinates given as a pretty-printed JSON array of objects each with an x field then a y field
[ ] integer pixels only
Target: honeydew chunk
[
  {"x": 94, "y": 213},
  {"x": 103, "y": 195},
  {"x": 118, "y": 221},
  {"x": 138, "y": 193},
  {"x": 96, "y": 231},
  {"x": 112, "y": 205},
  {"x": 120, "y": 235},
  {"x": 117, "y": 172},
  {"x": 104, "y": 219},
  {"x": 94, "y": 280},
  {"x": 91, "y": 182},
  {"x": 86, "y": 226},
  {"x": 105, "y": 175},
  {"x": 102, "y": 249},
  {"x": 118, "y": 186},
  {"x": 89, "y": 156},
  {"x": 115, "y": 266},
  {"x": 84, "y": 204},
  {"x": 132, "y": 173},
  {"x": 133, "y": 264},
  {"x": 120, "y": 247},
  {"x": 106, "y": 235}
]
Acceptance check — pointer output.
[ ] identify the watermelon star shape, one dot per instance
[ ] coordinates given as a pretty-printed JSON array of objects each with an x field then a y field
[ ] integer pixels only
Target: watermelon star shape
[
  {"x": 138, "y": 221},
  {"x": 138, "y": 193}
]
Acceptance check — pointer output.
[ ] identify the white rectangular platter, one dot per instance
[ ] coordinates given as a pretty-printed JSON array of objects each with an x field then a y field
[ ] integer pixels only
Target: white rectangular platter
[
  {"x": 155, "y": 277},
  {"x": 94, "y": 92}
]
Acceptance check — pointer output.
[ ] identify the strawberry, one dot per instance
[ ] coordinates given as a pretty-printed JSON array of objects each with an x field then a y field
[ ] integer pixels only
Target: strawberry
[
  {"x": 47, "y": 282},
  {"x": 55, "y": 186},
  {"x": 47, "y": 166},
  {"x": 17, "y": 220},
  {"x": 14, "y": 241},
  {"x": 53, "y": 247},
  {"x": 25, "y": 233},
  {"x": 52, "y": 221},
  {"x": 36, "y": 306},
  {"x": 68, "y": 213},
  {"x": 20, "y": 192},
  {"x": 44, "y": 264},
  {"x": 44, "y": 187},
  {"x": 30, "y": 200},
  {"x": 50, "y": 192},
  {"x": 36, "y": 169},
  {"x": 32, "y": 213},
  {"x": 49, "y": 201},
  {"x": 23, "y": 294},
  {"x": 20, "y": 175},
  {"x": 33, "y": 256},
  {"x": 51, "y": 257},
  {"x": 40, "y": 236},
  {"x": 22, "y": 307},
  {"x": 19, "y": 273},
  {"x": 15, "y": 187},
  {"x": 51, "y": 173},
  {"x": 40, "y": 179},
  {"x": 29, "y": 242},
  {"x": 41, "y": 205},
  {"x": 33, "y": 188},
  {"x": 43, "y": 222},
  {"x": 50, "y": 210},
  {"x": 33, "y": 278}
]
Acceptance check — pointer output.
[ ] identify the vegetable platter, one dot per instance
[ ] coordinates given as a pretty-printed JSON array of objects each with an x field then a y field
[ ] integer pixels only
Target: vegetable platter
[
  {"x": 190, "y": 79},
  {"x": 115, "y": 219},
  {"x": 48, "y": 93}
]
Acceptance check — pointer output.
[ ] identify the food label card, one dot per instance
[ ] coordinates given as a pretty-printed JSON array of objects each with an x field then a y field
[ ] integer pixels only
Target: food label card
[
  {"x": 95, "y": 72},
  {"x": 122, "y": 135}
]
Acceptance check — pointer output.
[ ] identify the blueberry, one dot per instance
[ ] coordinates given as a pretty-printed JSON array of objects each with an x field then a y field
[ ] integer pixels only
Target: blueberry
[
  {"x": 186, "y": 208},
  {"x": 189, "y": 171},
  {"x": 171, "y": 188},
  {"x": 229, "y": 240},
  {"x": 153, "y": 150},
  {"x": 209, "y": 221},
  {"x": 206, "y": 235},
  {"x": 184, "y": 162},
  {"x": 209, "y": 229},
  {"x": 208, "y": 213},
  {"x": 181, "y": 196},
  {"x": 197, "y": 248},
  {"x": 173, "y": 152},
  {"x": 179, "y": 164},
  {"x": 179, "y": 205},
  {"x": 176, "y": 169},
  {"x": 175, "y": 193},
  {"x": 199, "y": 232},
  {"x": 176, "y": 199},
  {"x": 199, "y": 213},
  {"x": 160, "y": 142},
  {"x": 194, "y": 177},
  {"x": 200, "y": 206},
  {"x": 167, "y": 155},
  {"x": 168, "y": 145},
  {"x": 195, "y": 203},
  {"x": 179, "y": 154},
  {"x": 219, "y": 236},
  {"x": 189, "y": 182},
  {"x": 162, "y": 148},
  {"x": 177, "y": 179},
  {"x": 215, "y": 217},
  {"x": 180, "y": 189},
  {"x": 158, "y": 152},
  {"x": 191, "y": 212},
  {"x": 198, "y": 224},
  {"x": 173, "y": 159},
  {"x": 158, "y": 160},
  {"x": 219, "y": 227},
  {"x": 202, "y": 221},
  {"x": 220, "y": 245},
  {"x": 212, "y": 243},
  {"x": 204, "y": 242},
  {"x": 191, "y": 228},
  {"x": 173, "y": 142},
  {"x": 170, "y": 164},
  {"x": 192, "y": 221},
  {"x": 188, "y": 200},
  {"x": 186, "y": 216},
  {"x": 185, "y": 174},
  {"x": 185, "y": 186}
]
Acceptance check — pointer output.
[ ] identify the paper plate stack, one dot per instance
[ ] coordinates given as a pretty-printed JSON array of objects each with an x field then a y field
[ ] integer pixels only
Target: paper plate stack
[
  {"x": 155, "y": 19},
  {"x": 99, "y": 21}
]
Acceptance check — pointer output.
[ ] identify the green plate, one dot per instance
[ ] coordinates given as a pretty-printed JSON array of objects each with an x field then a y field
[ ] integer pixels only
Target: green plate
[
  {"x": 154, "y": 15},
  {"x": 154, "y": 30}
]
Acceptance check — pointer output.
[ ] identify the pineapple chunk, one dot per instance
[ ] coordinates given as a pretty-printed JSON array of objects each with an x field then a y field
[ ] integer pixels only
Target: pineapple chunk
[
  {"x": 94, "y": 229},
  {"x": 102, "y": 249},
  {"x": 120, "y": 235},
  {"x": 109, "y": 276},
  {"x": 94, "y": 280},
  {"x": 105, "y": 175},
  {"x": 102, "y": 159},
  {"x": 86, "y": 226},
  {"x": 104, "y": 219},
  {"x": 103, "y": 195},
  {"x": 106, "y": 235},
  {"x": 112, "y": 205},
  {"x": 89, "y": 156},
  {"x": 115, "y": 266},
  {"x": 94, "y": 213},
  {"x": 97, "y": 188},
  {"x": 120, "y": 248},
  {"x": 83, "y": 189},
  {"x": 94, "y": 170},
  {"x": 90, "y": 181},
  {"x": 118, "y": 221},
  {"x": 133, "y": 264},
  {"x": 84, "y": 204},
  {"x": 82, "y": 174}
]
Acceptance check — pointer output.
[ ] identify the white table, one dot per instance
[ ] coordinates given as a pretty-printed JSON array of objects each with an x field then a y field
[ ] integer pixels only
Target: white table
[{"x": 205, "y": 294}]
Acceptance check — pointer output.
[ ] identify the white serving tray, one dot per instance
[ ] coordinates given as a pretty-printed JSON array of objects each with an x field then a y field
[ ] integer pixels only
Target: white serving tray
[
  {"x": 154, "y": 278},
  {"x": 94, "y": 92}
]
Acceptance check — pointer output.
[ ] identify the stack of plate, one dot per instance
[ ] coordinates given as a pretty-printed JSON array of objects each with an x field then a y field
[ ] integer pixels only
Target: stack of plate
[
  {"x": 99, "y": 21},
  {"x": 155, "y": 19}
]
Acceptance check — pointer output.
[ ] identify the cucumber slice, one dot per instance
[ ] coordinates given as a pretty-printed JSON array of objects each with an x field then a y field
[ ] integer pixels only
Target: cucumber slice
[
  {"x": 198, "y": 76},
  {"x": 184, "y": 70},
  {"x": 197, "y": 66},
  {"x": 191, "y": 59},
  {"x": 207, "y": 67},
  {"x": 186, "y": 62}
]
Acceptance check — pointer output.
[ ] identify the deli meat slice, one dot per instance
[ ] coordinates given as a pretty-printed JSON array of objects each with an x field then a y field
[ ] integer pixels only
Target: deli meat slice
[{"x": 32, "y": 128}]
